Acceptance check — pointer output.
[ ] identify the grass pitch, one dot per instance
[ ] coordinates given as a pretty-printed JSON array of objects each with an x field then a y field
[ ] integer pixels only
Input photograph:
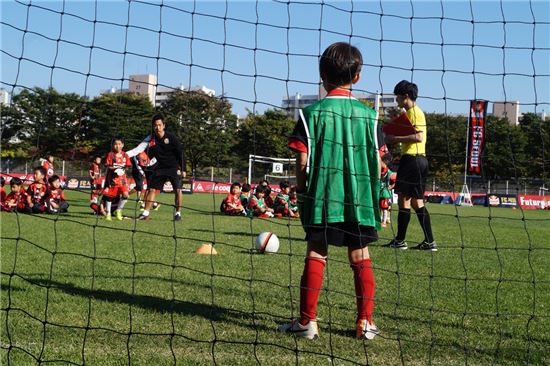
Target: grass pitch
[{"x": 79, "y": 290}]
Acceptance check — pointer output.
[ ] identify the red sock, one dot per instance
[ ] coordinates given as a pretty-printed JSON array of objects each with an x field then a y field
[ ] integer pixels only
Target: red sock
[
  {"x": 310, "y": 287},
  {"x": 364, "y": 288}
]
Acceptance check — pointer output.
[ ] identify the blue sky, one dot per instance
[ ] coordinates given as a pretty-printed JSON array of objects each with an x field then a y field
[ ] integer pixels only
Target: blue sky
[{"x": 257, "y": 52}]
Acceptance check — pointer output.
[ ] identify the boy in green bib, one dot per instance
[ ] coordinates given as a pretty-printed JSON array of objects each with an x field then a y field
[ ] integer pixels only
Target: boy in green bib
[{"x": 338, "y": 185}]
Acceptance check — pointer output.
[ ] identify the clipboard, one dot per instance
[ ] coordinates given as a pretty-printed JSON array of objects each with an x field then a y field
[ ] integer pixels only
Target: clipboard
[{"x": 399, "y": 126}]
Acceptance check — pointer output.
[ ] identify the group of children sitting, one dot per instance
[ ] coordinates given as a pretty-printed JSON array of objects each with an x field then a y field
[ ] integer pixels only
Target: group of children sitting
[
  {"x": 241, "y": 202},
  {"x": 41, "y": 196}
]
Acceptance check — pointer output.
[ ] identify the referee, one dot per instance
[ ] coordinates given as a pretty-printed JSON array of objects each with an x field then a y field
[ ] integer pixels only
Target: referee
[
  {"x": 412, "y": 172},
  {"x": 164, "y": 148}
]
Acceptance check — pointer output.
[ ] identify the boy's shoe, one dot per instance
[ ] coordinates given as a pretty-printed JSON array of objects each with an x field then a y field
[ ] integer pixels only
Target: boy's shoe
[
  {"x": 383, "y": 224},
  {"x": 108, "y": 217},
  {"x": 177, "y": 217},
  {"x": 156, "y": 206},
  {"x": 366, "y": 330},
  {"x": 397, "y": 244},
  {"x": 426, "y": 246},
  {"x": 118, "y": 215},
  {"x": 144, "y": 217},
  {"x": 308, "y": 331}
]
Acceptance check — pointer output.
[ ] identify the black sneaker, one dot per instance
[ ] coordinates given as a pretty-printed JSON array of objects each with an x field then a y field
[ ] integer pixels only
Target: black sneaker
[
  {"x": 426, "y": 246},
  {"x": 177, "y": 217},
  {"x": 397, "y": 244}
]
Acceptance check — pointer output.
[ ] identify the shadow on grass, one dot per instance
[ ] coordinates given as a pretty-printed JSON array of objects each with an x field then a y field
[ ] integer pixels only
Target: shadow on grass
[{"x": 186, "y": 308}]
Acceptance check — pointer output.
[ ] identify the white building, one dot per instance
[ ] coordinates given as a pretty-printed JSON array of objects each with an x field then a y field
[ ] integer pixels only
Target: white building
[
  {"x": 5, "y": 97},
  {"x": 292, "y": 104},
  {"x": 147, "y": 85},
  {"x": 507, "y": 109},
  {"x": 144, "y": 85},
  {"x": 163, "y": 92}
]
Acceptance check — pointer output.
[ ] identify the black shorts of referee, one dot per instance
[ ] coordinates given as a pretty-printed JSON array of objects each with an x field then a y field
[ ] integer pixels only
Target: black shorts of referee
[
  {"x": 411, "y": 176},
  {"x": 161, "y": 176}
]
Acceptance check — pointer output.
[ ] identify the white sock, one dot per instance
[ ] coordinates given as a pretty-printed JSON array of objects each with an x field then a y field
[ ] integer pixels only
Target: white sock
[
  {"x": 121, "y": 205},
  {"x": 145, "y": 213},
  {"x": 384, "y": 216},
  {"x": 178, "y": 213},
  {"x": 108, "y": 207}
]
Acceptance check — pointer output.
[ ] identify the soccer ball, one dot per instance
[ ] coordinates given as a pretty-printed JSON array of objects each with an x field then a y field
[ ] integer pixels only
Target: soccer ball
[{"x": 267, "y": 242}]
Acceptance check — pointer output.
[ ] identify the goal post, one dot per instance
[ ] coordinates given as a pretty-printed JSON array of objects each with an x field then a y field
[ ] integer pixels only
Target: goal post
[{"x": 278, "y": 166}]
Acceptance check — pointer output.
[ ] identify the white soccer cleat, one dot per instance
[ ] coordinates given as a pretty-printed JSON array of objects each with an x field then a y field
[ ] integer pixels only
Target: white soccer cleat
[
  {"x": 308, "y": 331},
  {"x": 366, "y": 330}
]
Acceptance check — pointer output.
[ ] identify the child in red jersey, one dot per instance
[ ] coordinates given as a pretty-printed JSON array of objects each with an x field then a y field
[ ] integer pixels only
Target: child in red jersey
[
  {"x": 16, "y": 199},
  {"x": 57, "y": 202},
  {"x": 48, "y": 165},
  {"x": 257, "y": 204},
  {"x": 95, "y": 172},
  {"x": 281, "y": 204},
  {"x": 116, "y": 184},
  {"x": 2, "y": 190},
  {"x": 38, "y": 192},
  {"x": 232, "y": 204}
]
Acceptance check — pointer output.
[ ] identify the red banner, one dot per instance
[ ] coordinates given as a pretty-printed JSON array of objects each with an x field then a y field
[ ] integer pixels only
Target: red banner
[
  {"x": 478, "y": 112},
  {"x": 534, "y": 202}
]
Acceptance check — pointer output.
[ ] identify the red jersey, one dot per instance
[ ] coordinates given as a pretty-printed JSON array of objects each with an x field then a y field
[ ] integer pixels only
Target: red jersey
[
  {"x": 14, "y": 200},
  {"x": 233, "y": 199},
  {"x": 2, "y": 194},
  {"x": 49, "y": 168},
  {"x": 143, "y": 159},
  {"x": 57, "y": 194},
  {"x": 94, "y": 171},
  {"x": 119, "y": 161},
  {"x": 39, "y": 192}
]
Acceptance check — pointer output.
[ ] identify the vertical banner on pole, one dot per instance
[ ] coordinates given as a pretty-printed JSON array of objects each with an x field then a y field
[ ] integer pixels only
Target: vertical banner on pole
[{"x": 478, "y": 112}]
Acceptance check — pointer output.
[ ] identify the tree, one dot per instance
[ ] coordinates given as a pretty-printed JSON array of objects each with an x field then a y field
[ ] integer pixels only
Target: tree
[
  {"x": 108, "y": 115},
  {"x": 44, "y": 120},
  {"x": 537, "y": 149},
  {"x": 205, "y": 125}
]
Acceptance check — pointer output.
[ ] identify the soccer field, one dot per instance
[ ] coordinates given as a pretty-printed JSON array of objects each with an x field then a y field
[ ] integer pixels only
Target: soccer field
[{"x": 78, "y": 290}]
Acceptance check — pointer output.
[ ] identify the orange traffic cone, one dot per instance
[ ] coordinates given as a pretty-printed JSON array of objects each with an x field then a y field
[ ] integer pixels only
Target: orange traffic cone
[{"x": 206, "y": 248}]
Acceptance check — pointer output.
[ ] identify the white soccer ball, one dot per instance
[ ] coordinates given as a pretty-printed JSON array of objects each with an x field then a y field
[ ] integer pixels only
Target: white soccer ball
[{"x": 267, "y": 242}]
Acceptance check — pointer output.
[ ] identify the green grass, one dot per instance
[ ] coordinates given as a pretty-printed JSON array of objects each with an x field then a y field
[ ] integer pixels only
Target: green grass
[{"x": 78, "y": 290}]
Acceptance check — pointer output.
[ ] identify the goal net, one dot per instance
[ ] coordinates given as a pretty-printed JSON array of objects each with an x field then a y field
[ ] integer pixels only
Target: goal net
[{"x": 230, "y": 79}]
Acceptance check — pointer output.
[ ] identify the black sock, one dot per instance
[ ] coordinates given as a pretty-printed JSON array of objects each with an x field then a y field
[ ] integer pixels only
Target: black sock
[
  {"x": 403, "y": 219},
  {"x": 424, "y": 219}
]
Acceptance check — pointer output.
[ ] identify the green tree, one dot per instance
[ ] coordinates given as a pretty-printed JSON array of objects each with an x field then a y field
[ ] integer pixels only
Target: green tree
[
  {"x": 537, "y": 148},
  {"x": 44, "y": 121},
  {"x": 205, "y": 125},
  {"x": 108, "y": 115},
  {"x": 265, "y": 135}
]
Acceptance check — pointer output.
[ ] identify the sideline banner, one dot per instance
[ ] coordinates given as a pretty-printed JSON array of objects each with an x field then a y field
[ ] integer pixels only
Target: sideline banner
[
  {"x": 478, "y": 112},
  {"x": 532, "y": 202},
  {"x": 502, "y": 200}
]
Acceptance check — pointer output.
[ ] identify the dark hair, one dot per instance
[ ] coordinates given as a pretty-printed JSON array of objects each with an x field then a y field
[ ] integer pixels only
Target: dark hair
[
  {"x": 246, "y": 188},
  {"x": 340, "y": 63},
  {"x": 41, "y": 169},
  {"x": 156, "y": 117},
  {"x": 117, "y": 138},
  {"x": 53, "y": 178},
  {"x": 284, "y": 184},
  {"x": 2, "y": 181},
  {"x": 236, "y": 184},
  {"x": 15, "y": 182},
  {"x": 264, "y": 181},
  {"x": 405, "y": 87},
  {"x": 261, "y": 189}
]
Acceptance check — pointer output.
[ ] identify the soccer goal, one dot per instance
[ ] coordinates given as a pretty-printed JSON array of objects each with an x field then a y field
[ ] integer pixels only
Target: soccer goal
[{"x": 270, "y": 168}]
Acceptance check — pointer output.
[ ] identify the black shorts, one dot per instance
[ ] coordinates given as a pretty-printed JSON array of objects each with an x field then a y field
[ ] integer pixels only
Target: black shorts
[
  {"x": 159, "y": 177},
  {"x": 342, "y": 234},
  {"x": 138, "y": 179},
  {"x": 411, "y": 176}
]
